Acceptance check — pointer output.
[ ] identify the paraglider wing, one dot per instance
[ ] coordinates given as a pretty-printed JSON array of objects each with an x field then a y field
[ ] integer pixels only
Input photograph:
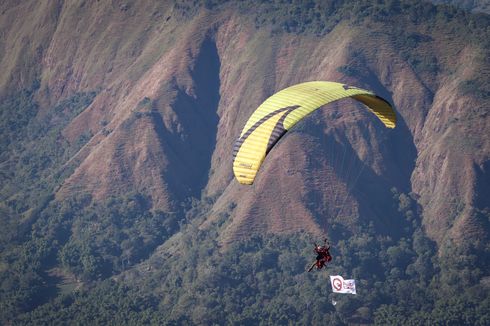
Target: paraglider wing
[{"x": 283, "y": 110}]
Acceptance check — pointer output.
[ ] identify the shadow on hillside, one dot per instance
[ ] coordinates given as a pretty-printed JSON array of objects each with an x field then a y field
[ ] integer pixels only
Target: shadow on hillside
[
  {"x": 372, "y": 190},
  {"x": 191, "y": 144}
]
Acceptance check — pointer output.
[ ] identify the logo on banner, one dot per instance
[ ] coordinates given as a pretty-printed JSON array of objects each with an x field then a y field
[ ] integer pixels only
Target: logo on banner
[{"x": 339, "y": 285}]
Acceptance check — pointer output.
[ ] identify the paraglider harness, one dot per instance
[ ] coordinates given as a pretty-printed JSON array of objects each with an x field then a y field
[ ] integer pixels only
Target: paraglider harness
[{"x": 323, "y": 255}]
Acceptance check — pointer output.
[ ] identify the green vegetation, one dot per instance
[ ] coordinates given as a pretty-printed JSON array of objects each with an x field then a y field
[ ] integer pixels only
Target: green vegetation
[
  {"x": 320, "y": 17},
  {"x": 261, "y": 280},
  {"x": 33, "y": 154},
  {"x": 107, "y": 238},
  {"x": 90, "y": 241},
  {"x": 32, "y": 147}
]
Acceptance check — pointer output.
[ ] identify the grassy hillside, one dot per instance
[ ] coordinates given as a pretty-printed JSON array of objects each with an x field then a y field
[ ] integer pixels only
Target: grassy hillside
[{"x": 117, "y": 199}]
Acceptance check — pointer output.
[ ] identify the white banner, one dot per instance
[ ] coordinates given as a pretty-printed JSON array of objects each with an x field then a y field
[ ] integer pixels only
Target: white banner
[{"x": 339, "y": 285}]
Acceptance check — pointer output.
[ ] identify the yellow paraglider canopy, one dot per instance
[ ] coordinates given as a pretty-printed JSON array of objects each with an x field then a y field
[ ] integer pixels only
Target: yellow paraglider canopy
[{"x": 283, "y": 110}]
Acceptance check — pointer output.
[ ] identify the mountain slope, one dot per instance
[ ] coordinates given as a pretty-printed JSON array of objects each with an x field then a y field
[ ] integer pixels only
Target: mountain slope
[
  {"x": 118, "y": 122},
  {"x": 156, "y": 122}
]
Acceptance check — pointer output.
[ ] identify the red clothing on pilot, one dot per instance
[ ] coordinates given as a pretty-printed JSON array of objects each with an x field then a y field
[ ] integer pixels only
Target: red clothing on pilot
[{"x": 323, "y": 255}]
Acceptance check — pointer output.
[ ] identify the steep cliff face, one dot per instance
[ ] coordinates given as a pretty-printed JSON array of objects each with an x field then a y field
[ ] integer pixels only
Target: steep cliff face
[{"x": 173, "y": 91}]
